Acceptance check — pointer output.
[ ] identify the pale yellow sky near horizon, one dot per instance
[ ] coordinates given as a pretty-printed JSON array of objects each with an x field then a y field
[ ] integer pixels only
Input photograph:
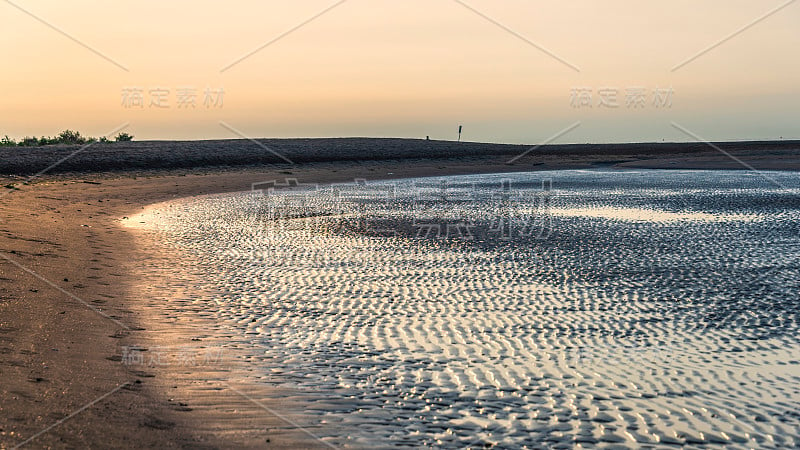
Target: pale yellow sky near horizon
[{"x": 408, "y": 69}]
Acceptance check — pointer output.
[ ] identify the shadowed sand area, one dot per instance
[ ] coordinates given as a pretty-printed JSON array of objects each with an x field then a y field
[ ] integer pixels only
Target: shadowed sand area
[{"x": 79, "y": 292}]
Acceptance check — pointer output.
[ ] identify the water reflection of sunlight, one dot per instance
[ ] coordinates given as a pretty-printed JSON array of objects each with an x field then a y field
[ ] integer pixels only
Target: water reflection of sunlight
[
  {"x": 424, "y": 342},
  {"x": 648, "y": 215}
]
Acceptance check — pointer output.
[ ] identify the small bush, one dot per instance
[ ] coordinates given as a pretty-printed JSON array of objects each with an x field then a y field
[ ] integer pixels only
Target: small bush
[
  {"x": 123, "y": 137},
  {"x": 71, "y": 137},
  {"x": 28, "y": 141},
  {"x": 66, "y": 137},
  {"x": 7, "y": 142}
]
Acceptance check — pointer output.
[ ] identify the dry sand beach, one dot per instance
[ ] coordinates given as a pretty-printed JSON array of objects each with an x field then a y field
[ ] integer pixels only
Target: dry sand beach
[{"x": 79, "y": 290}]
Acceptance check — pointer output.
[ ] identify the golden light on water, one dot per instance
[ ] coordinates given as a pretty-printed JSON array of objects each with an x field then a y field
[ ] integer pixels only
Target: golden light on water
[{"x": 648, "y": 215}]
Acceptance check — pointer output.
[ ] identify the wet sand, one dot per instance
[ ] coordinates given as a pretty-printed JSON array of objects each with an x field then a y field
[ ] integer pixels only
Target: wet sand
[
  {"x": 70, "y": 306},
  {"x": 630, "y": 311}
]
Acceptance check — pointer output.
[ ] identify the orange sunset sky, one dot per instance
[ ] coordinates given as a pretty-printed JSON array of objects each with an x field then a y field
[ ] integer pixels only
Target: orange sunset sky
[{"x": 510, "y": 71}]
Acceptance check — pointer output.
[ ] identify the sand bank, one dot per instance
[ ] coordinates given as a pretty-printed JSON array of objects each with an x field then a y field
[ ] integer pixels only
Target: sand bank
[
  {"x": 69, "y": 311},
  {"x": 69, "y": 307}
]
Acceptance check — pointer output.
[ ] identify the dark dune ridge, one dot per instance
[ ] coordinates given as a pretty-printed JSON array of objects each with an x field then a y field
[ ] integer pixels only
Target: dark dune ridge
[{"x": 154, "y": 155}]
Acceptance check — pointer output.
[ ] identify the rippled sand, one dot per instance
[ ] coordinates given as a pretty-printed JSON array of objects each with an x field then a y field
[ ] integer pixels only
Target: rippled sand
[{"x": 541, "y": 309}]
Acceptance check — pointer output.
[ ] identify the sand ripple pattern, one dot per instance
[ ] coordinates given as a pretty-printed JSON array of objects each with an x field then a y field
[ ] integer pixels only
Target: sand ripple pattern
[{"x": 568, "y": 308}]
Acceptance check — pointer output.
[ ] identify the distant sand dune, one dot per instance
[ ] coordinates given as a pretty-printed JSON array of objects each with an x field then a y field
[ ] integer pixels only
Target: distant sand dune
[{"x": 154, "y": 155}]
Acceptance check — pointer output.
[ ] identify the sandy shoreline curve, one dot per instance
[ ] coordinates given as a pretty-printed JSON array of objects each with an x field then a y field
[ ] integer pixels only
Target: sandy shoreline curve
[
  {"x": 71, "y": 303},
  {"x": 69, "y": 310}
]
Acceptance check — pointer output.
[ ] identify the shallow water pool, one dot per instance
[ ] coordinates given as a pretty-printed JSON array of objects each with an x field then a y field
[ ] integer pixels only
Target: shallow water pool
[{"x": 593, "y": 308}]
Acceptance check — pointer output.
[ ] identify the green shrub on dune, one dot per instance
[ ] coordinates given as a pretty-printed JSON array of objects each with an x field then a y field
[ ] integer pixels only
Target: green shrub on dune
[
  {"x": 44, "y": 140},
  {"x": 66, "y": 137},
  {"x": 7, "y": 142},
  {"x": 123, "y": 137},
  {"x": 71, "y": 137},
  {"x": 29, "y": 142}
]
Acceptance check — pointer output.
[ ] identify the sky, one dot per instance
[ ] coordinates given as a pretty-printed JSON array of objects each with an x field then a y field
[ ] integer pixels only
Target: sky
[{"x": 516, "y": 71}]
